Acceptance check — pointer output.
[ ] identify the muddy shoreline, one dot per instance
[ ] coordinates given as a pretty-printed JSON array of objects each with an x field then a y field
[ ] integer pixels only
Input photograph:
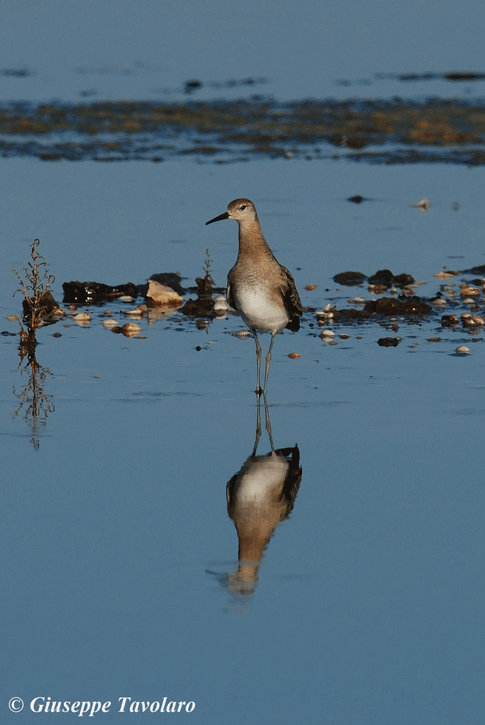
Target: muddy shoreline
[{"x": 373, "y": 131}]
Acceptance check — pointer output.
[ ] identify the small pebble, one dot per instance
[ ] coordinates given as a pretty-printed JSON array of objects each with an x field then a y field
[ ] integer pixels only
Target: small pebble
[
  {"x": 294, "y": 355},
  {"x": 466, "y": 290},
  {"x": 126, "y": 298},
  {"x": 469, "y": 320},
  {"x": 243, "y": 334},
  {"x": 82, "y": 318},
  {"x": 326, "y": 313},
  {"x": 110, "y": 323},
  {"x": 12, "y": 318},
  {"x": 220, "y": 304},
  {"x": 310, "y": 287},
  {"x": 462, "y": 350},
  {"x": 130, "y": 329},
  {"x": 137, "y": 312}
]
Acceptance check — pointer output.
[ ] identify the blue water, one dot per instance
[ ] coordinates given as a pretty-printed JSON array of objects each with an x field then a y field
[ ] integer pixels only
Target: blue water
[
  {"x": 115, "y": 535},
  {"x": 345, "y": 48}
]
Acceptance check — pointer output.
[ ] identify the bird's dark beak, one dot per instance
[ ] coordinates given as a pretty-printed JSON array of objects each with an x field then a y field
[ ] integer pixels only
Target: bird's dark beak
[{"x": 218, "y": 218}]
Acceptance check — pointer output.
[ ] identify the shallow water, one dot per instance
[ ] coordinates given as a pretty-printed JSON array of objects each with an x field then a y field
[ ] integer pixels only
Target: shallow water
[
  {"x": 119, "y": 554},
  {"x": 118, "y": 543},
  {"x": 345, "y": 48}
]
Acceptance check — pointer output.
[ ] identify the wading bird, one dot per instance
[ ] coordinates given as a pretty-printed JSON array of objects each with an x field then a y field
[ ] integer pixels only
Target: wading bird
[{"x": 261, "y": 290}]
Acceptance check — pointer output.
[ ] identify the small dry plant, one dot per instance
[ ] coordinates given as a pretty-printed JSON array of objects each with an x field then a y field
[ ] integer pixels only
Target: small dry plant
[
  {"x": 205, "y": 283},
  {"x": 38, "y": 300}
]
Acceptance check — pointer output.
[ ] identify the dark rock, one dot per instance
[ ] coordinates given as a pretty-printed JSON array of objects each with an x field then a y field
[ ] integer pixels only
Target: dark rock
[
  {"x": 480, "y": 269},
  {"x": 357, "y": 199},
  {"x": 351, "y": 314},
  {"x": 384, "y": 277},
  {"x": 403, "y": 280},
  {"x": 449, "y": 321},
  {"x": 389, "y": 341},
  {"x": 198, "y": 308},
  {"x": 349, "y": 278},
  {"x": 391, "y": 306},
  {"x": 82, "y": 292}
]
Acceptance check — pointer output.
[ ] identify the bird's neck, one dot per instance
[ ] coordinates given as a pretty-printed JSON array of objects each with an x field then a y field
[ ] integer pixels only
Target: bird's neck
[{"x": 252, "y": 242}]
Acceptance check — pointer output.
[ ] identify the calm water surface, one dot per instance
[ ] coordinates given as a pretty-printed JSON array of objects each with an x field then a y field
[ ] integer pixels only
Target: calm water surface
[
  {"x": 117, "y": 541},
  {"x": 118, "y": 551}
]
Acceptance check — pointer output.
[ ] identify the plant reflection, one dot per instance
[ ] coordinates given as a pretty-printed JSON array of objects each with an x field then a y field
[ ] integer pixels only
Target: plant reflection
[
  {"x": 34, "y": 402},
  {"x": 259, "y": 497}
]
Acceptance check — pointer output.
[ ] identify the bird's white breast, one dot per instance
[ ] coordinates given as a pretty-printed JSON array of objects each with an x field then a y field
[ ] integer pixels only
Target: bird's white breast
[{"x": 261, "y": 310}]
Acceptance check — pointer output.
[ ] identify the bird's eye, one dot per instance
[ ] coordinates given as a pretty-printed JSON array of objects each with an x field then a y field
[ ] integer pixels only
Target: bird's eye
[{"x": 242, "y": 207}]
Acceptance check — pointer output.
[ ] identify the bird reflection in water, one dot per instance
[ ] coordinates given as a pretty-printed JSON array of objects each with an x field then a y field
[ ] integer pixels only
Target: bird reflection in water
[{"x": 259, "y": 496}]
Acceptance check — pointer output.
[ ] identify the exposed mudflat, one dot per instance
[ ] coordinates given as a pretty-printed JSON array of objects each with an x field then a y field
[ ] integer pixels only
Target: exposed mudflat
[{"x": 376, "y": 131}]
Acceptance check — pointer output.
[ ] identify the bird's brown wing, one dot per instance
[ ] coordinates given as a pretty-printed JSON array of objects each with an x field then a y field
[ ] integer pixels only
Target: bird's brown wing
[
  {"x": 229, "y": 296},
  {"x": 292, "y": 301}
]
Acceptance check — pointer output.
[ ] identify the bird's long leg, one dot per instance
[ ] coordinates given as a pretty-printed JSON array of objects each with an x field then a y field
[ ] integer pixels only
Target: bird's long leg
[
  {"x": 258, "y": 364},
  {"x": 268, "y": 362},
  {"x": 258, "y": 425}
]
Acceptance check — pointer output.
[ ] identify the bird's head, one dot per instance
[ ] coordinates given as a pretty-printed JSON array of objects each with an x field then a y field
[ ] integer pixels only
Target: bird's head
[{"x": 242, "y": 210}]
